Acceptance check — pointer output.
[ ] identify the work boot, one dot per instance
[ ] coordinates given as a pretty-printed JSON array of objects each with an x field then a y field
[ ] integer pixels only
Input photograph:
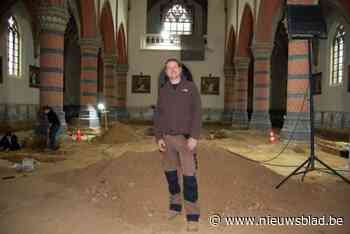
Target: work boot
[
  {"x": 192, "y": 226},
  {"x": 173, "y": 214}
]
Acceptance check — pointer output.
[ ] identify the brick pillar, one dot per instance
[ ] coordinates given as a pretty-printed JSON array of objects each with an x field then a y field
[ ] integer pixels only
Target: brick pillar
[
  {"x": 115, "y": 82},
  {"x": 262, "y": 67},
  {"x": 298, "y": 83},
  {"x": 88, "y": 115},
  {"x": 109, "y": 77},
  {"x": 53, "y": 21},
  {"x": 122, "y": 73},
  {"x": 297, "y": 121},
  {"x": 240, "y": 115},
  {"x": 229, "y": 99}
]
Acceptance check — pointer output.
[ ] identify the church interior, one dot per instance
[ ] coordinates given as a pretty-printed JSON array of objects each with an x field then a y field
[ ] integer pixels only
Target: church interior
[{"x": 99, "y": 66}]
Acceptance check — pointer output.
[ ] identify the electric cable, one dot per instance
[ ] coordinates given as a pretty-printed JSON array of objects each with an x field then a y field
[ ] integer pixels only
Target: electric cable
[
  {"x": 289, "y": 139},
  {"x": 266, "y": 162},
  {"x": 279, "y": 165}
]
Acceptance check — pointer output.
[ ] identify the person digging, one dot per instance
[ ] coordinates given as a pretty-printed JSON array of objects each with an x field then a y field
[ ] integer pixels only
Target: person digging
[{"x": 54, "y": 127}]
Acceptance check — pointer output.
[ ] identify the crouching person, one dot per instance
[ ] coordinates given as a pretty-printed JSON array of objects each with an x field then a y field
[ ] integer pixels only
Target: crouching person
[{"x": 9, "y": 142}]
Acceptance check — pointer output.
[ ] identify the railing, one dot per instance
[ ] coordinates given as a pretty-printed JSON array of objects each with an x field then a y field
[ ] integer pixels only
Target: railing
[{"x": 161, "y": 42}]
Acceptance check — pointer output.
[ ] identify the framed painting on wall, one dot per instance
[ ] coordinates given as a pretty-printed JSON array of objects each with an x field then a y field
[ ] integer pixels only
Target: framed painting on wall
[
  {"x": 34, "y": 76},
  {"x": 210, "y": 85},
  {"x": 141, "y": 84}
]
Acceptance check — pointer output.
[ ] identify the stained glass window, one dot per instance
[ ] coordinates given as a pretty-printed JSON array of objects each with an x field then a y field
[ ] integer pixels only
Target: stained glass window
[
  {"x": 178, "y": 20},
  {"x": 337, "y": 57},
  {"x": 13, "y": 48}
]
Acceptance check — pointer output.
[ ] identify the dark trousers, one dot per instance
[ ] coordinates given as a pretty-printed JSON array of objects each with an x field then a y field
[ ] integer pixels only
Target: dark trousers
[
  {"x": 53, "y": 136},
  {"x": 5, "y": 143},
  {"x": 11, "y": 144}
]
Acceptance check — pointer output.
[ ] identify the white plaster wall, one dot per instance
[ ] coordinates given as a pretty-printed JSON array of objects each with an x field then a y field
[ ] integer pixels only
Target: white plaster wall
[
  {"x": 16, "y": 90},
  {"x": 151, "y": 62},
  {"x": 333, "y": 98}
]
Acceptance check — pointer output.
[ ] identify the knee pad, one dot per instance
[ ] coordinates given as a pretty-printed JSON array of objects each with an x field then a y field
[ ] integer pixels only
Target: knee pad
[
  {"x": 173, "y": 182},
  {"x": 190, "y": 188}
]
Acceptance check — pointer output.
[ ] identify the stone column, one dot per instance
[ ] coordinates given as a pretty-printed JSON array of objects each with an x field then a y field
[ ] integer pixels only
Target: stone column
[
  {"x": 53, "y": 21},
  {"x": 115, "y": 82},
  {"x": 109, "y": 76},
  {"x": 240, "y": 115},
  {"x": 297, "y": 122},
  {"x": 229, "y": 101},
  {"x": 262, "y": 77},
  {"x": 88, "y": 83},
  {"x": 122, "y": 73}
]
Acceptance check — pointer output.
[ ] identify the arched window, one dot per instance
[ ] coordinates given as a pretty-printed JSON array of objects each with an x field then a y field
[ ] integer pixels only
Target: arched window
[
  {"x": 337, "y": 56},
  {"x": 178, "y": 20},
  {"x": 13, "y": 48}
]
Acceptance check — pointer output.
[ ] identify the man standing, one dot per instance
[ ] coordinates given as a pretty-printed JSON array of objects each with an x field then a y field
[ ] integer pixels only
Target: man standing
[
  {"x": 53, "y": 128},
  {"x": 177, "y": 124}
]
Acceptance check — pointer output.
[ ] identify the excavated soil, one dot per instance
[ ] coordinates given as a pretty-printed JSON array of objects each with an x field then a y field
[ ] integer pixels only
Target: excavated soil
[{"x": 104, "y": 187}]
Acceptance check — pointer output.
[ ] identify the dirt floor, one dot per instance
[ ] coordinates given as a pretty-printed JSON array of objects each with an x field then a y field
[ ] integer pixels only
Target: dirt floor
[{"x": 115, "y": 184}]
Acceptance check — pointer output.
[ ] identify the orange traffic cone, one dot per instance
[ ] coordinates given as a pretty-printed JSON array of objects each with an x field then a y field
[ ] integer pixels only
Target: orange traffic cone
[
  {"x": 272, "y": 138},
  {"x": 78, "y": 136}
]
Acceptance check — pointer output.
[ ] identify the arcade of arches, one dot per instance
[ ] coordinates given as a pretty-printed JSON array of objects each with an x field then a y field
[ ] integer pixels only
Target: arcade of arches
[{"x": 74, "y": 54}]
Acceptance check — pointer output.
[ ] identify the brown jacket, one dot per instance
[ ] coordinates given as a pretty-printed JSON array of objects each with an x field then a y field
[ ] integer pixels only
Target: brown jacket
[{"x": 178, "y": 111}]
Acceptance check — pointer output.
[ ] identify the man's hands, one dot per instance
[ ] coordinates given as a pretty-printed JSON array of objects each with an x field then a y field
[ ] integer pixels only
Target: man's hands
[
  {"x": 191, "y": 143},
  {"x": 161, "y": 145}
]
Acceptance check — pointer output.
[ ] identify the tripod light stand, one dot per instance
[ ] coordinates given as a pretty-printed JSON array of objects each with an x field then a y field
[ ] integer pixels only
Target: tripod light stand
[{"x": 306, "y": 23}]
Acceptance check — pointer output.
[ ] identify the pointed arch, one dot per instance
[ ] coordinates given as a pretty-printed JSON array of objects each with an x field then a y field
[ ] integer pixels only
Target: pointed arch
[
  {"x": 107, "y": 28},
  {"x": 246, "y": 32},
  {"x": 230, "y": 46},
  {"x": 337, "y": 55},
  {"x": 267, "y": 22},
  {"x": 13, "y": 47},
  {"x": 75, "y": 13},
  {"x": 121, "y": 45},
  {"x": 88, "y": 18}
]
